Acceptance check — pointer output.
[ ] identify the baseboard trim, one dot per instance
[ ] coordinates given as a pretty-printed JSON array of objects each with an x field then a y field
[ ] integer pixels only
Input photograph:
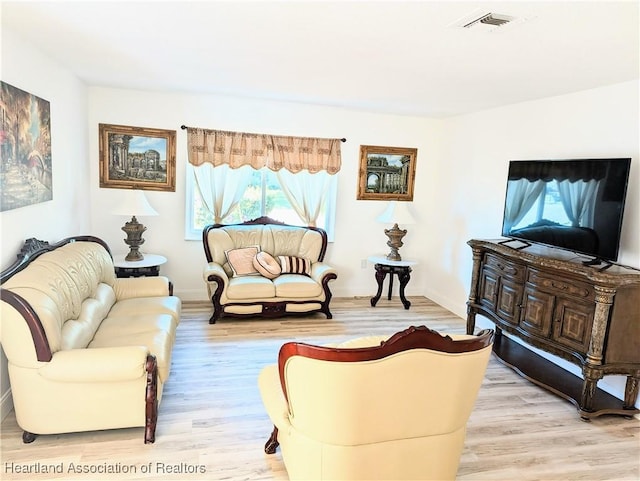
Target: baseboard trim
[
  {"x": 191, "y": 294},
  {"x": 6, "y": 404}
]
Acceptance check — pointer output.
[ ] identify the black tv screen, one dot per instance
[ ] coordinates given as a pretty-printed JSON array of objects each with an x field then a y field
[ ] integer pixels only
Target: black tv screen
[{"x": 571, "y": 204}]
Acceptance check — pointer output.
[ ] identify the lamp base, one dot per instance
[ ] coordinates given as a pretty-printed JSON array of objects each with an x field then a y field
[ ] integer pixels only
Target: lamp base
[
  {"x": 395, "y": 235},
  {"x": 134, "y": 240},
  {"x": 134, "y": 255}
]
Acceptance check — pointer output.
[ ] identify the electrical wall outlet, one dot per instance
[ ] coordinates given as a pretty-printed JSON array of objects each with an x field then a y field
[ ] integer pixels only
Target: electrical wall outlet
[{"x": 363, "y": 264}]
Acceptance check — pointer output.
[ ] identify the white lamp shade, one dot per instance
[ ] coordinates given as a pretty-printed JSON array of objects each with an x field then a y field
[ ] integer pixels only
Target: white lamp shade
[
  {"x": 133, "y": 203},
  {"x": 397, "y": 213}
]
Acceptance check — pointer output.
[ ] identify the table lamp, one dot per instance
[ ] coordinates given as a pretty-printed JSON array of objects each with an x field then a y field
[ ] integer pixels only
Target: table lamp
[
  {"x": 134, "y": 203},
  {"x": 396, "y": 213}
]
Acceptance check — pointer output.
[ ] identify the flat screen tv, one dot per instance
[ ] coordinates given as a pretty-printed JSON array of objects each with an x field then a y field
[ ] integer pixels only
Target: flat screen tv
[{"x": 571, "y": 204}]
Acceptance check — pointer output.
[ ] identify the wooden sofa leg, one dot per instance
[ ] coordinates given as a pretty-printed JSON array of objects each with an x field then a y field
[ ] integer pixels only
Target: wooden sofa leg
[
  {"x": 151, "y": 400},
  {"x": 327, "y": 295},
  {"x": 28, "y": 437},
  {"x": 215, "y": 299},
  {"x": 272, "y": 443},
  {"x": 217, "y": 313}
]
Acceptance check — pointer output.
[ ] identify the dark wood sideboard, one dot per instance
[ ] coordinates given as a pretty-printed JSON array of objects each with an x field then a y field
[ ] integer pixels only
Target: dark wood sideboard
[{"x": 547, "y": 297}]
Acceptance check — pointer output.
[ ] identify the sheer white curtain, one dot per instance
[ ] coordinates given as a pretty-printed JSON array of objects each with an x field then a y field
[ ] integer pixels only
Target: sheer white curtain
[
  {"x": 224, "y": 161},
  {"x": 578, "y": 199},
  {"x": 221, "y": 187},
  {"x": 306, "y": 192},
  {"x": 521, "y": 195}
]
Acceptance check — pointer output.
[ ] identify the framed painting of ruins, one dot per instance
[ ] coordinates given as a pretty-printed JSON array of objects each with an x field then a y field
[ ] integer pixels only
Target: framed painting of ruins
[
  {"x": 386, "y": 173},
  {"x": 137, "y": 158}
]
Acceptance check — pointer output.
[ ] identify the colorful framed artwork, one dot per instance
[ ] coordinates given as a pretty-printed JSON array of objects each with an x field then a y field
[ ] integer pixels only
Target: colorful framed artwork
[
  {"x": 137, "y": 158},
  {"x": 386, "y": 173},
  {"x": 25, "y": 149}
]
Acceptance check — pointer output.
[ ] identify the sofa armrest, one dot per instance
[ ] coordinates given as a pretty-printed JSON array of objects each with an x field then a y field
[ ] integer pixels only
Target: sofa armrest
[
  {"x": 213, "y": 269},
  {"x": 320, "y": 270},
  {"x": 272, "y": 397},
  {"x": 132, "y": 287},
  {"x": 96, "y": 365}
]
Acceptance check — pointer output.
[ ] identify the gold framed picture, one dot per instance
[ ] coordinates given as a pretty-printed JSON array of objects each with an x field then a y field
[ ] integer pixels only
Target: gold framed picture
[
  {"x": 386, "y": 173},
  {"x": 137, "y": 158}
]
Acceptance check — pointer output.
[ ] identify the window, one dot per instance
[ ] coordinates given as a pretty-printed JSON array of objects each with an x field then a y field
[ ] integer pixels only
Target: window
[
  {"x": 262, "y": 197},
  {"x": 548, "y": 207}
]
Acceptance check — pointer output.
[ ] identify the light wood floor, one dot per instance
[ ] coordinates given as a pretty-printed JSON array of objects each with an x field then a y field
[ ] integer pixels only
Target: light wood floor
[{"x": 211, "y": 418}]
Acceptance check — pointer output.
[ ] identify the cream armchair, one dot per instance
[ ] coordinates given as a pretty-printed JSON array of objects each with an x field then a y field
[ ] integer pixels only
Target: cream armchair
[{"x": 374, "y": 408}]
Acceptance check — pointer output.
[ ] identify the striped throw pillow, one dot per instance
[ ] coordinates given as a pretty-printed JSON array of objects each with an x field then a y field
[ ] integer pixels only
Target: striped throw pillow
[{"x": 295, "y": 265}]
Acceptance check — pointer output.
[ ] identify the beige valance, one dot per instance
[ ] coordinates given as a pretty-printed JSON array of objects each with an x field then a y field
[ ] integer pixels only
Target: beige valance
[{"x": 236, "y": 149}]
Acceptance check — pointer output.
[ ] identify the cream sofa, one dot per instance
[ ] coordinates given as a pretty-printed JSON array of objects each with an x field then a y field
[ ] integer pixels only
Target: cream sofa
[
  {"x": 380, "y": 407},
  {"x": 86, "y": 350},
  {"x": 241, "y": 294}
]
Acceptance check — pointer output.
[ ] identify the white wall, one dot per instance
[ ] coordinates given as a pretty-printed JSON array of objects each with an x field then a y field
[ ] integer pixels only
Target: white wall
[
  {"x": 603, "y": 122},
  {"x": 460, "y": 174},
  {"x": 472, "y": 172},
  {"x": 68, "y": 212},
  {"x": 357, "y": 233}
]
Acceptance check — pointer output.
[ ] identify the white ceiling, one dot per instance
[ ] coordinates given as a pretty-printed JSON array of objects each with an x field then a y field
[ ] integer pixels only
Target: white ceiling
[{"x": 401, "y": 57}]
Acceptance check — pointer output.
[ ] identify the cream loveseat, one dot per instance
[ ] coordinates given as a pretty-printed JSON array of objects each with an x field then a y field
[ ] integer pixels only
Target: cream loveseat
[
  {"x": 295, "y": 279},
  {"x": 380, "y": 407},
  {"x": 86, "y": 350}
]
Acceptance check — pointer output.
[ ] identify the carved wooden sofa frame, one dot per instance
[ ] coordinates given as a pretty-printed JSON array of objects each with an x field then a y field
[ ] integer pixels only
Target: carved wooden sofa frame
[
  {"x": 420, "y": 337},
  {"x": 269, "y": 309},
  {"x": 31, "y": 250}
]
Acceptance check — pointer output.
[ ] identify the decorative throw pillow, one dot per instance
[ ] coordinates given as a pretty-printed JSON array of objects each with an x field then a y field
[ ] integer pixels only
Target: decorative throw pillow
[
  {"x": 295, "y": 265},
  {"x": 241, "y": 260},
  {"x": 266, "y": 265}
]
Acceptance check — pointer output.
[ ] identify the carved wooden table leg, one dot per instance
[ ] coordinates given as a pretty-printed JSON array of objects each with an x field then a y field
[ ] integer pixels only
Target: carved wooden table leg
[
  {"x": 381, "y": 273},
  {"x": 471, "y": 320},
  {"x": 473, "y": 293},
  {"x": 589, "y": 385},
  {"x": 272, "y": 443},
  {"x": 631, "y": 391},
  {"x": 404, "y": 276},
  {"x": 403, "y": 273}
]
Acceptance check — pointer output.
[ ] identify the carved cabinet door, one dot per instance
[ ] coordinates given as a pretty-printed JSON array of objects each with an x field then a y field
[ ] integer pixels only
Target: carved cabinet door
[
  {"x": 488, "y": 295},
  {"x": 537, "y": 311},
  {"x": 500, "y": 294},
  {"x": 572, "y": 323},
  {"x": 509, "y": 298}
]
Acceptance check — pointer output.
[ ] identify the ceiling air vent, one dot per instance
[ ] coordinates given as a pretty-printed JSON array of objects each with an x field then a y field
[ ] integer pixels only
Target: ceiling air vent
[
  {"x": 483, "y": 20},
  {"x": 491, "y": 19}
]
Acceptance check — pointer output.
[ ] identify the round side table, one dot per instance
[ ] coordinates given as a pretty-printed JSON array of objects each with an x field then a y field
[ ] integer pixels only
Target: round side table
[
  {"x": 383, "y": 267},
  {"x": 149, "y": 266}
]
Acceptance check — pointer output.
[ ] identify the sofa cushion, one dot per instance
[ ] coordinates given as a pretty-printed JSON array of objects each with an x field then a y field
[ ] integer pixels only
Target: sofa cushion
[
  {"x": 114, "y": 326},
  {"x": 367, "y": 341},
  {"x": 57, "y": 283},
  {"x": 295, "y": 265},
  {"x": 267, "y": 265},
  {"x": 275, "y": 239},
  {"x": 77, "y": 333},
  {"x": 296, "y": 286},
  {"x": 241, "y": 260},
  {"x": 250, "y": 287},
  {"x": 151, "y": 331},
  {"x": 148, "y": 305}
]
